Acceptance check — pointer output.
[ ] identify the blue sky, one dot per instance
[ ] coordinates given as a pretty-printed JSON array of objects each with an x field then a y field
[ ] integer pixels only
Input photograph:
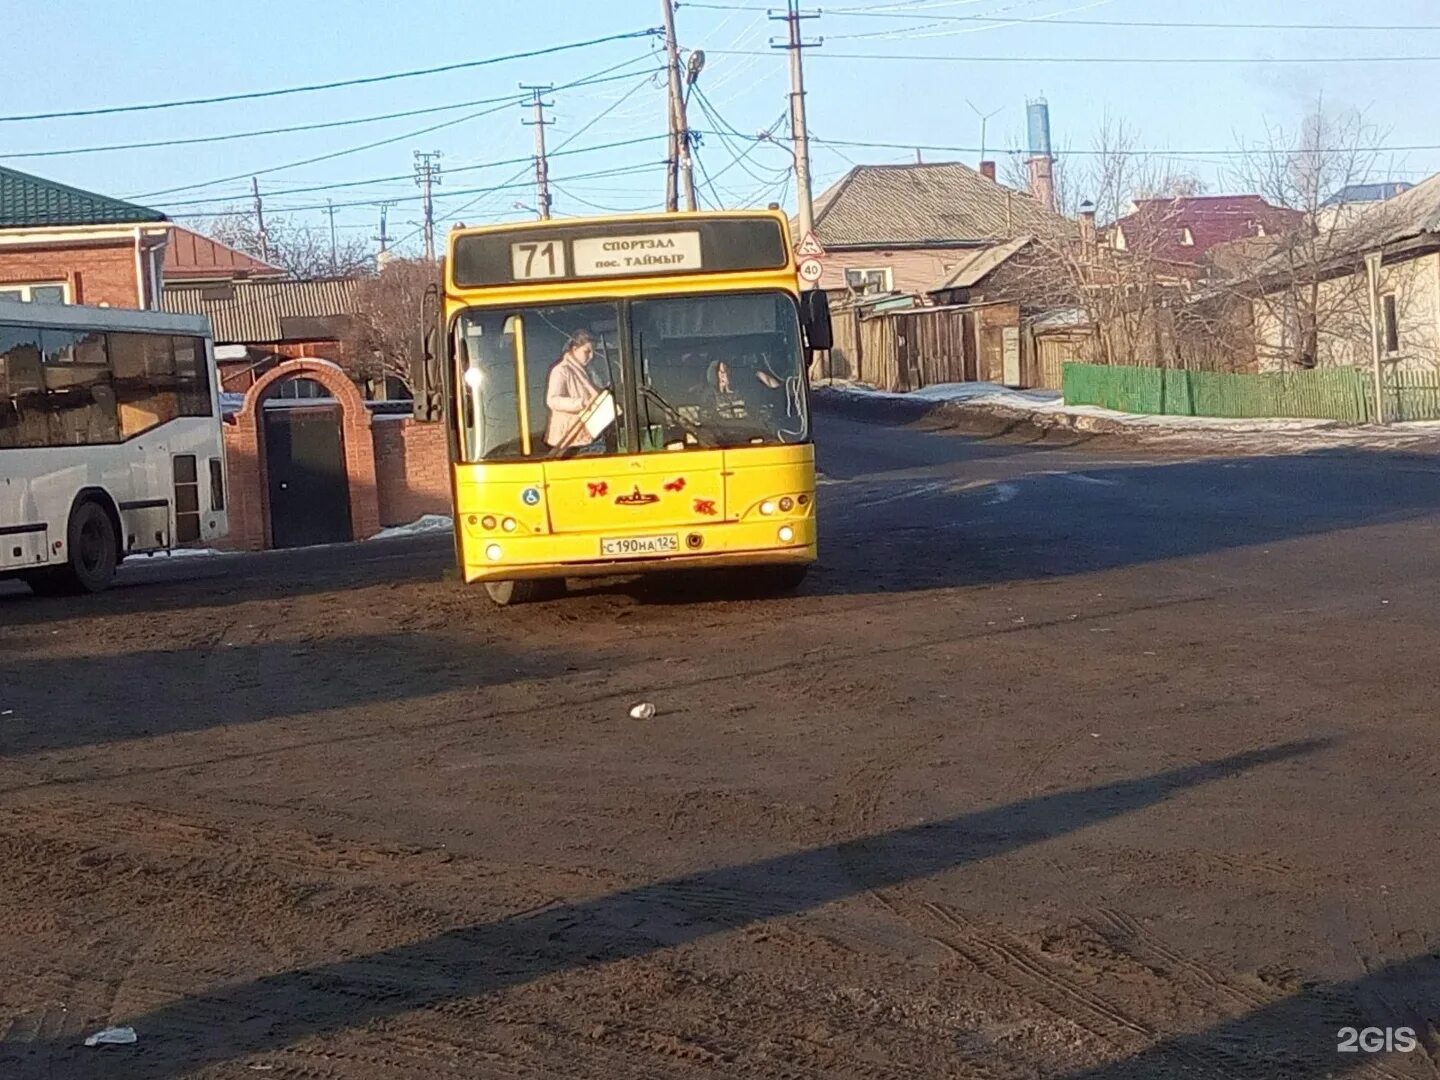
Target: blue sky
[{"x": 87, "y": 53}]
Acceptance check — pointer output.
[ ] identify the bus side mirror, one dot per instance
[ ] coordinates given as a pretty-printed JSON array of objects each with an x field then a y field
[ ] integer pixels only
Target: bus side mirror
[
  {"x": 429, "y": 404},
  {"x": 815, "y": 319}
]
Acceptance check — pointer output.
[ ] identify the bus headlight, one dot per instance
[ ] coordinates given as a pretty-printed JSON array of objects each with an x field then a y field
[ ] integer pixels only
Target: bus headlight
[
  {"x": 508, "y": 524},
  {"x": 787, "y": 504},
  {"x": 787, "y": 534},
  {"x": 493, "y": 552},
  {"x": 767, "y": 507},
  {"x": 488, "y": 521}
]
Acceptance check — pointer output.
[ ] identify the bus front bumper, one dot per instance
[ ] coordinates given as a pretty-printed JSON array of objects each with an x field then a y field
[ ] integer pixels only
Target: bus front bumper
[{"x": 699, "y": 547}]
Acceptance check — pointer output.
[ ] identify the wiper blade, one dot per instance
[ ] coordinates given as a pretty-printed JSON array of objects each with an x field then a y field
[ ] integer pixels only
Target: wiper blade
[{"x": 674, "y": 413}]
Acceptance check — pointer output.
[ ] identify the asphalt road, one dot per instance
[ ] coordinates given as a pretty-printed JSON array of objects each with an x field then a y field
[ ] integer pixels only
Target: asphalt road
[{"x": 1071, "y": 760}]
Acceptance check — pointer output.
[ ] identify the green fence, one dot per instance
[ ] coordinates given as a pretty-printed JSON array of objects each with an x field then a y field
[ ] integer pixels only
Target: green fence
[{"x": 1344, "y": 394}]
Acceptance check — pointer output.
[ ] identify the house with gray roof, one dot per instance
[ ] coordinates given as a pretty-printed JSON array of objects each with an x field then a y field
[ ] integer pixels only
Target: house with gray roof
[
  {"x": 908, "y": 228},
  {"x": 62, "y": 244}
]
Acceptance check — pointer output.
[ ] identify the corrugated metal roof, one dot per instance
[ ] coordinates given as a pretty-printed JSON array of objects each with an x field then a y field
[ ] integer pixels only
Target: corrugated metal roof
[
  {"x": 192, "y": 255},
  {"x": 32, "y": 202},
  {"x": 258, "y": 312},
  {"x": 925, "y": 205}
]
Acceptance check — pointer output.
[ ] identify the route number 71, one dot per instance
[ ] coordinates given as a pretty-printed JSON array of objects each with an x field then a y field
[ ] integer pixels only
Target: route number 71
[{"x": 531, "y": 262}]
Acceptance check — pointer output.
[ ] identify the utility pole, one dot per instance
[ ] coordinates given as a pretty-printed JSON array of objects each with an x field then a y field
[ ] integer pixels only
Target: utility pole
[
  {"x": 260, "y": 220},
  {"x": 680, "y": 174},
  {"x": 1372, "y": 281},
  {"x": 384, "y": 237},
  {"x": 796, "y": 45},
  {"x": 427, "y": 175},
  {"x": 542, "y": 163},
  {"x": 330, "y": 209}
]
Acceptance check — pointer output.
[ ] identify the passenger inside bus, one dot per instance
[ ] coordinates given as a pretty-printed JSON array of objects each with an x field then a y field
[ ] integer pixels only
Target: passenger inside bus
[{"x": 569, "y": 393}]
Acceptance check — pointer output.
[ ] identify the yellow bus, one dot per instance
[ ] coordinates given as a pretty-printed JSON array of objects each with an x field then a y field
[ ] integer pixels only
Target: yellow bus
[{"x": 624, "y": 395}]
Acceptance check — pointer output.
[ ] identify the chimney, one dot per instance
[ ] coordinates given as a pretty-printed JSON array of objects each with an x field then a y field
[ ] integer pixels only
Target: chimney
[
  {"x": 1042, "y": 162},
  {"x": 987, "y": 170},
  {"x": 1087, "y": 226}
]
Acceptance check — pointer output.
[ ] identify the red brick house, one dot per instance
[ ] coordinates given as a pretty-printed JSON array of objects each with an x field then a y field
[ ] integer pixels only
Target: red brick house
[
  {"x": 902, "y": 228},
  {"x": 59, "y": 244}
]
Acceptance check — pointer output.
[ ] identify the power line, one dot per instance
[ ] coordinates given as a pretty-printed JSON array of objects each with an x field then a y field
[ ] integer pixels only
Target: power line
[
  {"x": 1131, "y": 60},
  {"x": 252, "y": 95},
  {"x": 514, "y": 182},
  {"x": 322, "y": 125},
  {"x": 1137, "y": 152},
  {"x": 558, "y": 152},
  {"x": 506, "y": 103},
  {"x": 333, "y": 154},
  {"x": 852, "y": 13}
]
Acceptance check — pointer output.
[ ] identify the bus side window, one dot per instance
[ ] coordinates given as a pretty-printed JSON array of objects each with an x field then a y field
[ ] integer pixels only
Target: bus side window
[{"x": 23, "y": 421}]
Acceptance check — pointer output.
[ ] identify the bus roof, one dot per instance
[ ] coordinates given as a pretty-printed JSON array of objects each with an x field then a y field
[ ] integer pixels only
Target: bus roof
[
  {"x": 677, "y": 217},
  {"x": 85, "y": 317}
]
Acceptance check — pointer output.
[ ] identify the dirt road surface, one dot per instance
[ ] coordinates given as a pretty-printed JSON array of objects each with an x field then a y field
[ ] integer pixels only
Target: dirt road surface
[{"x": 1069, "y": 761}]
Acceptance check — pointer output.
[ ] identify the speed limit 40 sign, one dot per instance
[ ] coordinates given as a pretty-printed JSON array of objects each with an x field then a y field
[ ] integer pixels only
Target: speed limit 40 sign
[{"x": 810, "y": 270}]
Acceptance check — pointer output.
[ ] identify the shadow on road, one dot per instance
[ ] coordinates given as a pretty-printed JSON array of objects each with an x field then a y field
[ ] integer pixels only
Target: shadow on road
[
  {"x": 1067, "y": 519},
  {"x": 159, "y": 583},
  {"x": 172, "y": 691},
  {"x": 278, "y": 1010},
  {"x": 1297, "y": 1037}
]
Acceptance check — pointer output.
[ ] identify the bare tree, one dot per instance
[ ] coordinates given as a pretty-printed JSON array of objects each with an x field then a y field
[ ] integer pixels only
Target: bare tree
[
  {"x": 1125, "y": 285},
  {"x": 1307, "y": 291},
  {"x": 300, "y": 248},
  {"x": 388, "y": 319}
]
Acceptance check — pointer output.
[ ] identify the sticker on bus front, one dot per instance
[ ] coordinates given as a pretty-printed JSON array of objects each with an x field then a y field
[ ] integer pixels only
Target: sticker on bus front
[{"x": 530, "y": 496}]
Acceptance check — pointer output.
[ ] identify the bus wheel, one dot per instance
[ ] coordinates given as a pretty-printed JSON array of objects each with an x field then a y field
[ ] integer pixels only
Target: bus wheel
[
  {"x": 529, "y": 591},
  {"x": 94, "y": 553}
]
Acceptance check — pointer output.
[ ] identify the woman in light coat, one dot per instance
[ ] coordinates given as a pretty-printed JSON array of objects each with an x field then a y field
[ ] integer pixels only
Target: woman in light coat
[{"x": 569, "y": 392}]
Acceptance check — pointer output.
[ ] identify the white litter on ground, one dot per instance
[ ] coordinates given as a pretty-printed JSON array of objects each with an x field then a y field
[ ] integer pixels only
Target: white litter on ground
[
  {"x": 643, "y": 711},
  {"x": 423, "y": 526},
  {"x": 195, "y": 553},
  {"x": 113, "y": 1036},
  {"x": 1051, "y": 402}
]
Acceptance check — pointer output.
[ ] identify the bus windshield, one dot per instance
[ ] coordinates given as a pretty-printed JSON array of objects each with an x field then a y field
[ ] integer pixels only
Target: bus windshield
[{"x": 705, "y": 371}]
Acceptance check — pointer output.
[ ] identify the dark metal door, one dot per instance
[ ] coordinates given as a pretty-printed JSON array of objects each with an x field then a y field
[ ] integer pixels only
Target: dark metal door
[{"x": 309, "y": 489}]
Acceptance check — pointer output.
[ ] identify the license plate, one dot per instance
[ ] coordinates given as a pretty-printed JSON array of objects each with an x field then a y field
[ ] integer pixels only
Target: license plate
[{"x": 630, "y": 546}]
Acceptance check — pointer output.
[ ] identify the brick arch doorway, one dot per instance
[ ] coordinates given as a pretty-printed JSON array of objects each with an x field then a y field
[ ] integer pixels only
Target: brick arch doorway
[{"x": 316, "y": 454}]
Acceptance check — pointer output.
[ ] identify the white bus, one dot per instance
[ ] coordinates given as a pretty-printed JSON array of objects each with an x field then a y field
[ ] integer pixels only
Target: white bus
[{"x": 109, "y": 441}]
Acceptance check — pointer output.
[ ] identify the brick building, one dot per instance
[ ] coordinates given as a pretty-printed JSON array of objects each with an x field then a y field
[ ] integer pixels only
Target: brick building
[
  {"x": 261, "y": 321},
  {"x": 59, "y": 244},
  {"x": 310, "y": 461}
]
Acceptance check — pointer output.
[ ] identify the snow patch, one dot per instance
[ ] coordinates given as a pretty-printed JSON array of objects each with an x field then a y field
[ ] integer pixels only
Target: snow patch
[
  {"x": 1051, "y": 402},
  {"x": 427, "y": 525}
]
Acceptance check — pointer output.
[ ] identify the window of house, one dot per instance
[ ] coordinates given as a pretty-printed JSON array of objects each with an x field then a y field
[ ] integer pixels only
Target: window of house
[
  {"x": 865, "y": 280},
  {"x": 1391, "y": 324},
  {"x": 43, "y": 292}
]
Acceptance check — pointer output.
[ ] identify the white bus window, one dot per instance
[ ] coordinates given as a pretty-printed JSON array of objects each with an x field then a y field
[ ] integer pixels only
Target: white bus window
[
  {"x": 22, "y": 390},
  {"x": 145, "y": 390},
  {"x": 80, "y": 403},
  {"x": 192, "y": 380}
]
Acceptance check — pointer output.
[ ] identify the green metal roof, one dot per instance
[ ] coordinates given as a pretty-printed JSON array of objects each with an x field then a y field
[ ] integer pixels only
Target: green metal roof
[{"x": 30, "y": 202}]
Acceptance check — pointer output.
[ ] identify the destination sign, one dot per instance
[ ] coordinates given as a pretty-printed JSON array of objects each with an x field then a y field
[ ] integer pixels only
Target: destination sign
[
  {"x": 631, "y": 247},
  {"x": 648, "y": 253}
]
